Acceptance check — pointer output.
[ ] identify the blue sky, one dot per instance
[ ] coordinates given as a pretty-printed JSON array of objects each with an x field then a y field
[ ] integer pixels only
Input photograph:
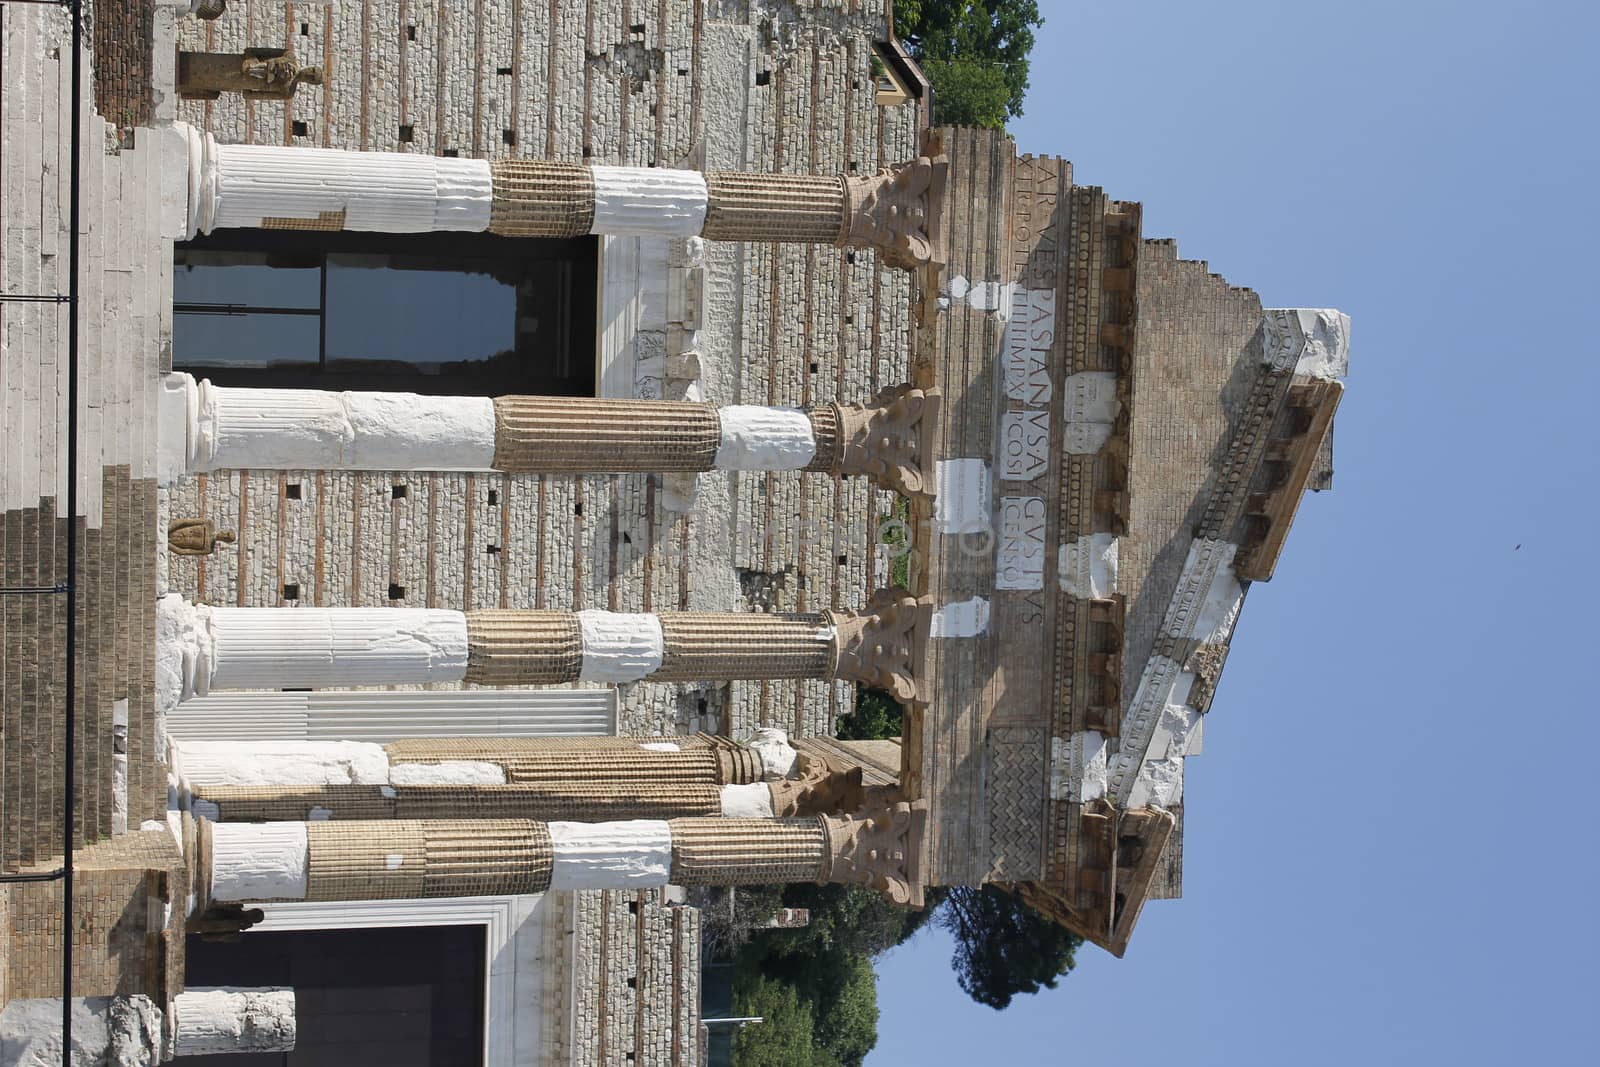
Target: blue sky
[{"x": 1390, "y": 851}]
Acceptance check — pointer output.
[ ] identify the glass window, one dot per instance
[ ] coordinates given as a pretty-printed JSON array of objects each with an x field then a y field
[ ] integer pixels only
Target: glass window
[
  {"x": 440, "y": 313},
  {"x": 395, "y": 308}
]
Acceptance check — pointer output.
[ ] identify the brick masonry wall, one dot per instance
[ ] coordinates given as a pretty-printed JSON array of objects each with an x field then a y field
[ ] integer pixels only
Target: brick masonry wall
[
  {"x": 121, "y": 34},
  {"x": 1193, "y": 366},
  {"x": 125, "y": 940},
  {"x": 784, "y": 87}
]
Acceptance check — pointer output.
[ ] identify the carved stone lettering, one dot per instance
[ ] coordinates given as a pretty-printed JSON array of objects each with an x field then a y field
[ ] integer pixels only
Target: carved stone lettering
[
  {"x": 1030, "y": 335},
  {"x": 1021, "y": 559},
  {"x": 1024, "y": 445}
]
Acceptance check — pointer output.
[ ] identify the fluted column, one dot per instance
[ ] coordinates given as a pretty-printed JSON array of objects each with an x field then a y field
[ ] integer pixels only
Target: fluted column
[
  {"x": 209, "y": 1022},
  {"x": 524, "y": 778},
  {"x": 205, "y": 427},
  {"x": 896, "y": 212},
  {"x": 200, "y": 648},
  {"x": 373, "y": 860}
]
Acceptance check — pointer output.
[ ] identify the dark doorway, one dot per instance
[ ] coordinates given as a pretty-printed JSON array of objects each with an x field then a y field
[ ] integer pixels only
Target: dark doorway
[
  {"x": 454, "y": 314},
  {"x": 404, "y": 996}
]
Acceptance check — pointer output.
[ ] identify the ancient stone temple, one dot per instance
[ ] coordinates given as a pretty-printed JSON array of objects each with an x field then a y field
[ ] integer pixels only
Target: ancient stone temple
[{"x": 508, "y": 436}]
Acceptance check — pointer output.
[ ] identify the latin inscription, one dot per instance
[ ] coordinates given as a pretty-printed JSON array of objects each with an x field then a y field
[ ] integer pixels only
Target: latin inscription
[
  {"x": 1024, "y": 445},
  {"x": 1021, "y": 554},
  {"x": 1030, "y": 335}
]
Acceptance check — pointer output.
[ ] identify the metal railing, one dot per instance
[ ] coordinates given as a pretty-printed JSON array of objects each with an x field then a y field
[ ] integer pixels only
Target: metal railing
[{"x": 69, "y": 588}]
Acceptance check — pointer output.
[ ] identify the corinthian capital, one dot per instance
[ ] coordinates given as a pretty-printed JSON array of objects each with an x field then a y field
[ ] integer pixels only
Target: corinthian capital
[
  {"x": 880, "y": 848},
  {"x": 881, "y": 645},
  {"x": 820, "y": 786},
  {"x": 897, "y": 211},
  {"x": 891, "y": 439}
]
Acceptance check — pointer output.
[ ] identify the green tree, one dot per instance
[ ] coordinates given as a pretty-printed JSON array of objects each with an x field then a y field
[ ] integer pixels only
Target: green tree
[
  {"x": 975, "y": 52},
  {"x": 876, "y": 715},
  {"x": 1003, "y": 947},
  {"x": 783, "y": 1037},
  {"x": 847, "y": 1011}
]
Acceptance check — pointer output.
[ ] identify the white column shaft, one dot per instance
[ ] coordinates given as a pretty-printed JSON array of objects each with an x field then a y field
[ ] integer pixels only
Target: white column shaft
[
  {"x": 386, "y": 192},
  {"x": 309, "y": 429},
  {"x": 620, "y": 646},
  {"x": 764, "y": 439},
  {"x": 259, "y": 648},
  {"x": 224, "y": 1020},
  {"x": 632, "y": 854},
  {"x": 648, "y": 202},
  {"x": 199, "y": 763},
  {"x": 752, "y": 801},
  {"x": 258, "y": 861}
]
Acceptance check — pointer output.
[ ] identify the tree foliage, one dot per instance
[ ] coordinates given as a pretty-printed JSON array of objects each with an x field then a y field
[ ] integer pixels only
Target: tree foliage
[
  {"x": 975, "y": 52},
  {"x": 876, "y": 715},
  {"x": 783, "y": 1038},
  {"x": 827, "y": 967},
  {"x": 1003, "y": 947}
]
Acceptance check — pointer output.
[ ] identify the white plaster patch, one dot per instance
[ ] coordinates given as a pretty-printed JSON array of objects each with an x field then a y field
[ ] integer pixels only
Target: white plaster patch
[
  {"x": 620, "y": 646},
  {"x": 1019, "y": 563},
  {"x": 280, "y": 763},
  {"x": 964, "y": 618},
  {"x": 184, "y": 651},
  {"x": 764, "y": 439},
  {"x": 311, "y": 429},
  {"x": 648, "y": 201},
  {"x": 1219, "y": 610},
  {"x": 1091, "y": 409},
  {"x": 258, "y": 861},
  {"x": 1315, "y": 340},
  {"x": 751, "y": 801},
  {"x": 447, "y": 772},
  {"x": 271, "y": 648},
  {"x": 1024, "y": 445},
  {"x": 980, "y": 296},
  {"x": 1030, "y": 336},
  {"x": 777, "y": 755},
  {"x": 633, "y": 854},
  {"x": 1159, "y": 784},
  {"x": 1176, "y": 730},
  {"x": 1087, "y": 567},
  {"x": 962, "y": 504},
  {"x": 1078, "y": 766},
  {"x": 394, "y": 861},
  {"x": 660, "y": 746}
]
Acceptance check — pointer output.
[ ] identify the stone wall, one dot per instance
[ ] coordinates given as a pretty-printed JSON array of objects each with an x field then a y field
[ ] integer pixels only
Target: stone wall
[
  {"x": 718, "y": 83},
  {"x": 636, "y": 981}
]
